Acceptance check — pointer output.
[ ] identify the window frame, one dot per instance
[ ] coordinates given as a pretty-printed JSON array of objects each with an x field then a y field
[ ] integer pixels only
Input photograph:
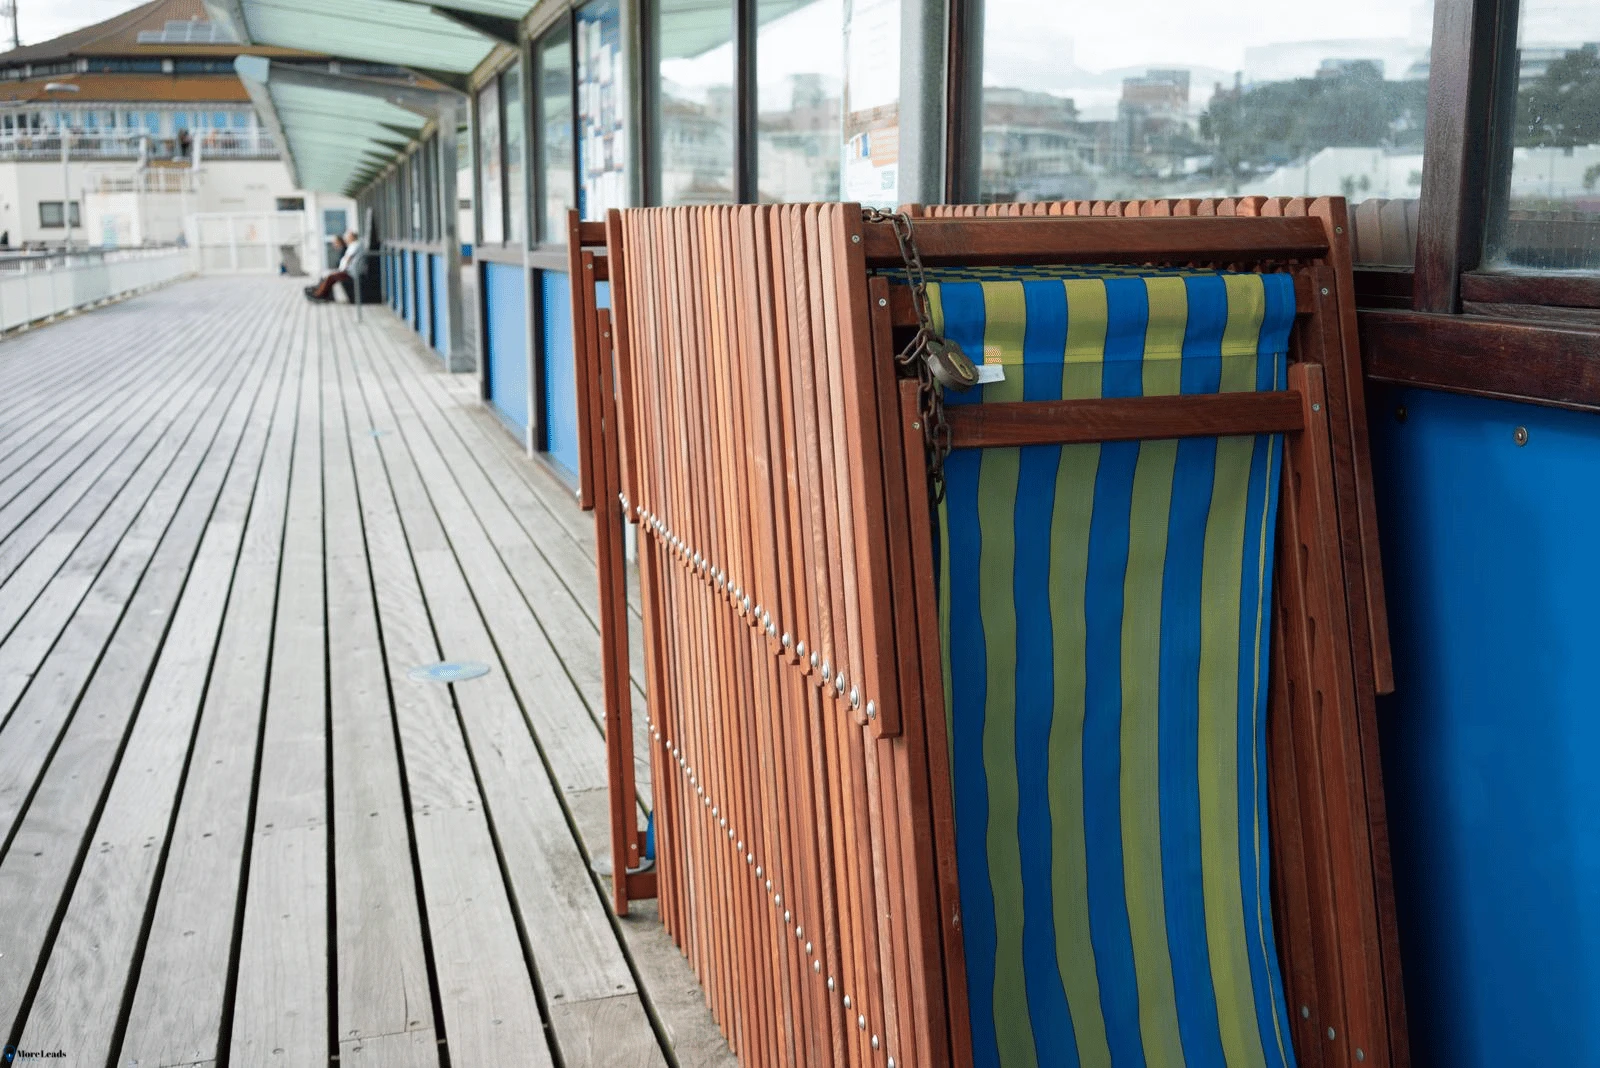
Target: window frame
[
  {"x": 1473, "y": 55},
  {"x": 73, "y": 215}
]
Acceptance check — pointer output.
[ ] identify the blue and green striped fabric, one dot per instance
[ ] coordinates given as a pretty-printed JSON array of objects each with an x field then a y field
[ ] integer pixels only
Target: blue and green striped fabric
[{"x": 1105, "y": 614}]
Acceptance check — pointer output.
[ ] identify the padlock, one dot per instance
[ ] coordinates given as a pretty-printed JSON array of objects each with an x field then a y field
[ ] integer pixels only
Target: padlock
[{"x": 948, "y": 364}]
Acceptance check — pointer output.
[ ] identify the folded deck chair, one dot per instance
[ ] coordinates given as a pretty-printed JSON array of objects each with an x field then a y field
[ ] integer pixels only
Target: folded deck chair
[{"x": 1105, "y": 615}]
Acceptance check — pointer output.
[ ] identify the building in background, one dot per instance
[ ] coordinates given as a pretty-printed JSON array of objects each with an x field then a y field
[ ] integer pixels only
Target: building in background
[{"x": 158, "y": 131}]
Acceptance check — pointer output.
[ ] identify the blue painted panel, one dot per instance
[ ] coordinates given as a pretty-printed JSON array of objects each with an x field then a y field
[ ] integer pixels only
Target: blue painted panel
[
  {"x": 440, "y": 339},
  {"x": 1489, "y": 742},
  {"x": 405, "y": 285},
  {"x": 505, "y": 304},
  {"x": 423, "y": 322},
  {"x": 560, "y": 375}
]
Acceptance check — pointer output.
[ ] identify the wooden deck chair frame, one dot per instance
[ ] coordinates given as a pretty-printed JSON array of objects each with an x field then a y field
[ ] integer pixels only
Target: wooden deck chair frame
[{"x": 1330, "y": 649}]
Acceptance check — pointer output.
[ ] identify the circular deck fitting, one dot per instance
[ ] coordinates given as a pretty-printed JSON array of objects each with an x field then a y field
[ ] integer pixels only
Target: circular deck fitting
[{"x": 448, "y": 671}]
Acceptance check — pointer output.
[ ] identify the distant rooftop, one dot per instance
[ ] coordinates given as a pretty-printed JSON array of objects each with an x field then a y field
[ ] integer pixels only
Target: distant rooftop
[{"x": 158, "y": 29}]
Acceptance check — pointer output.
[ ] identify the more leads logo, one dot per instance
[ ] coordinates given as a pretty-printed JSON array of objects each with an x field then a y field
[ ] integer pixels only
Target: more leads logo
[{"x": 11, "y": 1054}]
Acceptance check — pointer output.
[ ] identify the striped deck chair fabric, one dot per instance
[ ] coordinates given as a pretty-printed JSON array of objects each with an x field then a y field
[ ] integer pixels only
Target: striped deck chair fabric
[{"x": 1105, "y": 614}]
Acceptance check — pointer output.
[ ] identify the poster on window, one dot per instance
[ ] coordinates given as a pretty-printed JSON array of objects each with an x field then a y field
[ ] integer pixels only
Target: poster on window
[
  {"x": 602, "y": 135},
  {"x": 872, "y": 102}
]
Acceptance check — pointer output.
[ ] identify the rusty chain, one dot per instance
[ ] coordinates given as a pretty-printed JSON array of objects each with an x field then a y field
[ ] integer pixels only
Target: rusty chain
[{"x": 936, "y": 361}]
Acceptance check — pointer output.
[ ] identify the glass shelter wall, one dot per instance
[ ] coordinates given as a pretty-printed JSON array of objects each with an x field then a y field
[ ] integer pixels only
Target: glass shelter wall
[
  {"x": 1148, "y": 98},
  {"x": 1545, "y": 213},
  {"x": 694, "y": 102}
]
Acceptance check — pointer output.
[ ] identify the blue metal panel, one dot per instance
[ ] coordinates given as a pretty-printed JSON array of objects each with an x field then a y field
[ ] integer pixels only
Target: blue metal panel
[
  {"x": 505, "y": 307},
  {"x": 423, "y": 321},
  {"x": 560, "y": 376},
  {"x": 405, "y": 285},
  {"x": 440, "y": 339},
  {"x": 1489, "y": 742}
]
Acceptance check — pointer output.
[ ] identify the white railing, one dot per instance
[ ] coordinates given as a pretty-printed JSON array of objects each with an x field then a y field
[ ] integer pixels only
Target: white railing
[
  {"x": 220, "y": 144},
  {"x": 254, "y": 242},
  {"x": 35, "y": 286},
  {"x": 145, "y": 180}
]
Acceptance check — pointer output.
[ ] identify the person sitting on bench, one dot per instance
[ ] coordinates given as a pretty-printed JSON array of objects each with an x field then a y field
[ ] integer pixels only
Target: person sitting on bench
[{"x": 344, "y": 274}]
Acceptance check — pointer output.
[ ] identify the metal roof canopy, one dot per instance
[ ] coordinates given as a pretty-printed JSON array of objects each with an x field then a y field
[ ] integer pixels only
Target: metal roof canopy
[{"x": 333, "y": 126}]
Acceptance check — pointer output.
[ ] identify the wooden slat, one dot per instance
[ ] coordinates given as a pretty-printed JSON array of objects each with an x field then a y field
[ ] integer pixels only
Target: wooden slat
[
  {"x": 1122, "y": 419},
  {"x": 1035, "y": 240}
]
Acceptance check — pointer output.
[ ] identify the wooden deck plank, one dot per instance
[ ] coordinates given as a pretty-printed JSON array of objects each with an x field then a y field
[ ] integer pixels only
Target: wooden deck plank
[
  {"x": 571, "y": 632},
  {"x": 81, "y": 481},
  {"x": 486, "y": 993},
  {"x": 38, "y": 600},
  {"x": 177, "y": 1007},
  {"x": 80, "y": 994},
  {"x": 50, "y": 841},
  {"x": 236, "y": 600},
  {"x": 58, "y": 485},
  {"x": 31, "y": 405},
  {"x": 280, "y": 999},
  {"x": 383, "y": 984},
  {"x": 41, "y": 697}
]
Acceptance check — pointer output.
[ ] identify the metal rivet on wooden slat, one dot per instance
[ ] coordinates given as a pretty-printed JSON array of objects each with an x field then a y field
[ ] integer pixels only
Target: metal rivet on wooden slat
[
  {"x": 830, "y": 982},
  {"x": 855, "y": 697},
  {"x": 816, "y": 965},
  {"x": 874, "y": 1041},
  {"x": 838, "y": 684},
  {"x": 1332, "y": 1034},
  {"x": 808, "y": 949},
  {"x": 800, "y": 650},
  {"x": 827, "y": 671},
  {"x": 786, "y": 916},
  {"x": 749, "y": 858},
  {"x": 861, "y": 1022},
  {"x": 847, "y": 1001},
  {"x": 758, "y": 871},
  {"x": 872, "y": 710},
  {"x": 891, "y": 1062},
  {"x": 787, "y": 641},
  {"x": 800, "y": 932}
]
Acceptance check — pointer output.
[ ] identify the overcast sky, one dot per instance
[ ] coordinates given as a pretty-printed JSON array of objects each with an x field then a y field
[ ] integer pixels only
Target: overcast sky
[
  {"x": 40, "y": 20},
  {"x": 1091, "y": 34}
]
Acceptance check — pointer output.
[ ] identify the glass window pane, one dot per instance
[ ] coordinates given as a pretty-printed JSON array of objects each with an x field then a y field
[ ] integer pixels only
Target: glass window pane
[
  {"x": 694, "y": 120},
  {"x": 555, "y": 133},
  {"x": 1546, "y": 211},
  {"x": 799, "y": 74},
  {"x": 516, "y": 154},
  {"x": 602, "y": 110},
  {"x": 1147, "y": 98},
  {"x": 491, "y": 189}
]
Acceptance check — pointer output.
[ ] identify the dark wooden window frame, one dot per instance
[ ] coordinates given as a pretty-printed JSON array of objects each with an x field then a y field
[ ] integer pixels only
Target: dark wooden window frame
[
  {"x": 1445, "y": 324},
  {"x": 746, "y": 133}
]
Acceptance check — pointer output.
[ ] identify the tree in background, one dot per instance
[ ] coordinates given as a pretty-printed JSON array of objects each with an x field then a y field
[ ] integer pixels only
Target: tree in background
[{"x": 1561, "y": 108}]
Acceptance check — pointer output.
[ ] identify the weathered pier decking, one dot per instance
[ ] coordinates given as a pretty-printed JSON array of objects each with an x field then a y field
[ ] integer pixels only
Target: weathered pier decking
[{"x": 232, "y": 830}]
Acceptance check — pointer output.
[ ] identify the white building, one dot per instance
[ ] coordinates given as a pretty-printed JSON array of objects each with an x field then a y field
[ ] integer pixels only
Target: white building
[{"x": 157, "y": 128}]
